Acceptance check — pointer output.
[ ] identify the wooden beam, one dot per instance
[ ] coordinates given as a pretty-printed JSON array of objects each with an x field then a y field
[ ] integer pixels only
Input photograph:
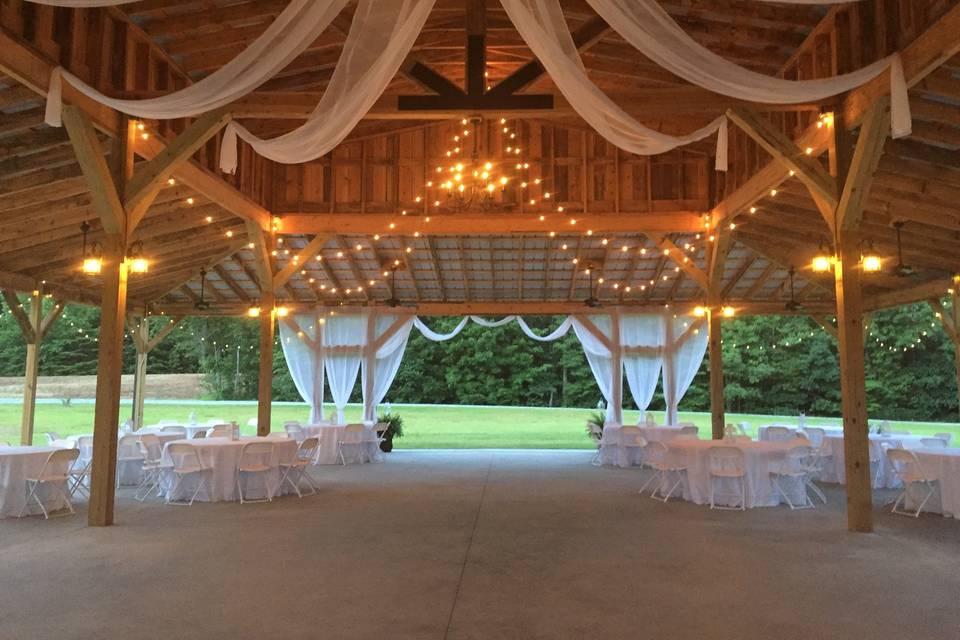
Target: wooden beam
[
  {"x": 17, "y": 310},
  {"x": 163, "y": 333},
  {"x": 265, "y": 370},
  {"x": 681, "y": 259},
  {"x": 141, "y": 335},
  {"x": 31, "y": 369},
  {"x": 866, "y": 157},
  {"x": 801, "y": 161},
  {"x": 715, "y": 348},
  {"x": 149, "y": 177},
  {"x": 90, "y": 156},
  {"x": 262, "y": 244},
  {"x": 825, "y": 325},
  {"x": 490, "y": 223},
  {"x": 302, "y": 257},
  {"x": 908, "y": 295}
]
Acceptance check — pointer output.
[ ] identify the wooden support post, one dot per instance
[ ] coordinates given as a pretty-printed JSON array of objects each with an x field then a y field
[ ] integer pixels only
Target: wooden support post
[
  {"x": 113, "y": 305},
  {"x": 717, "y": 415},
  {"x": 370, "y": 364},
  {"x": 955, "y": 314},
  {"x": 616, "y": 362},
  {"x": 265, "y": 381},
  {"x": 31, "y": 370},
  {"x": 142, "y": 339},
  {"x": 669, "y": 371},
  {"x": 853, "y": 389}
]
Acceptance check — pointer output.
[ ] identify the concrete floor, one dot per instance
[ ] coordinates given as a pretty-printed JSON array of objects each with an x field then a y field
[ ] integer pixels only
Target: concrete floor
[{"x": 478, "y": 544}]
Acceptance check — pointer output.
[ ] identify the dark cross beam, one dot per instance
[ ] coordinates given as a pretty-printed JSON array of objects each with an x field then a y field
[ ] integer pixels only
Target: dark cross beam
[{"x": 474, "y": 96}]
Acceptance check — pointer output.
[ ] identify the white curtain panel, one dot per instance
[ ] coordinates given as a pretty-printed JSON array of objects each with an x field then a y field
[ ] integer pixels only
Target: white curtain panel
[
  {"x": 686, "y": 362},
  {"x": 381, "y": 35},
  {"x": 649, "y": 28},
  {"x": 642, "y": 368},
  {"x": 342, "y": 367},
  {"x": 387, "y": 363},
  {"x": 542, "y": 26},
  {"x": 598, "y": 355},
  {"x": 297, "y": 27},
  {"x": 304, "y": 361}
]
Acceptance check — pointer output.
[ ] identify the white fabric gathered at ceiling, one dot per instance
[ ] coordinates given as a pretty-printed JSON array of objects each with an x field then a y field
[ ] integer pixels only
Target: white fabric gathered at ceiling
[
  {"x": 380, "y": 37},
  {"x": 296, "y": 28},
  {"x": 430, "y": 334},
  {"x": 652, "y": 31}
]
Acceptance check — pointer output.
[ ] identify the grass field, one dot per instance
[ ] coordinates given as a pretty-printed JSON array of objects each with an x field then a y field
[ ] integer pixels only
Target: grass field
[{"x": 426, "y": 426}]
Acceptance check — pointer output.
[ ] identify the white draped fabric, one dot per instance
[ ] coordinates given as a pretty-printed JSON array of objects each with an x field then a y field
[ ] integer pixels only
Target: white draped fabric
[
  {"x": 381, "y": 35},
  {"x": 303, "y": 353},
  {"x": 542, "y": 26},
  {"x": 648, "y": 27},
  {"x": 430, "y": 334},
  {"x": 681, "y": 365},
  {"x": 642, "y": 366},
  {"x": 297, "y": 27},
  {"x": 599, "y": 357},
  {"x": 342, "y": 365},
  {"x": 387, "y": 361}
]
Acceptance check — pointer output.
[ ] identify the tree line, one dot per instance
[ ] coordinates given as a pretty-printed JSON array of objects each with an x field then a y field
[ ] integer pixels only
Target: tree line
[{"x": 772, "y": 364}]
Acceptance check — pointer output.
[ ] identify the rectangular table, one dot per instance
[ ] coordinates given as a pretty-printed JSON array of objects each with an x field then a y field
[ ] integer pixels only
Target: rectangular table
[
  {"x": 16, "y": 465},
  {"x": 221, "y": 456},
  {"x": 759, "y": 459}
]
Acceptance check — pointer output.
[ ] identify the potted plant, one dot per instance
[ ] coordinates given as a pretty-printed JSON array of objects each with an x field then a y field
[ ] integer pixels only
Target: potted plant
[
  {"x": 595, "y": 424},
  {"x": 394, "y": 430}
]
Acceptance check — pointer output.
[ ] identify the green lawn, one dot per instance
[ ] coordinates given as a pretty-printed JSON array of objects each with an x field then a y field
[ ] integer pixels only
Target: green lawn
[{"x": 427, "y": 426}]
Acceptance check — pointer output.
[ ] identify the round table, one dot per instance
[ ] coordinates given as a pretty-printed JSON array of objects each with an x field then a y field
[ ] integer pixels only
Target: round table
[
  {"x": 329, "y": 436},
  {"x": 942, "y": 465},
  {"x": 221, "y": 456},
  {"x": 834, "y": 469},
  {"x": 611, "y": 453},
  {"x": 16, "y": 464}
]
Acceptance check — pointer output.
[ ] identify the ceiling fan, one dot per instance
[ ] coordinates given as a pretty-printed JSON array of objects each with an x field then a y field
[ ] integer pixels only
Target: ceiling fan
[
  {"x": 900, "y": 269},
  {"x": 201, "y": 304},
  {"x": 792, "y": 304}
]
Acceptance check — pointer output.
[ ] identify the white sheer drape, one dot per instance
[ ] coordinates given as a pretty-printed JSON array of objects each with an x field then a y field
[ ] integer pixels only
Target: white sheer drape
[
  {"x": 598, "y": 356},
  {"x": 648, "y": 27},
  {"x": 387, "y": 361},
  {"x": 303, "y": 354},
  {"x": 542, "y": 26},
  {"x": 381, "y": 35},
  {"x": 642, "y": 366},
  {"x": 430, "y": 334},
  {"x": 342, "y": 365},
  {"x": 297, "y": 27},
  {"x": 681, "y": 366}
]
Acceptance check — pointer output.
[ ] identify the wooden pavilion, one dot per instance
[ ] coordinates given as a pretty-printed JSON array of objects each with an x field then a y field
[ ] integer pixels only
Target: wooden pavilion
[{"x": 366, "y": 225}]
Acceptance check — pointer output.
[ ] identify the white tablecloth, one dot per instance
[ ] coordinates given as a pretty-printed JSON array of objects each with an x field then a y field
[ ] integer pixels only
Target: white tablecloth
[
  {"x": 16, "y": 464},
  {"x": 835, "y": 471},
  {"x": 611, "y": 453},
  {"x": 192, "y": 429},
  {"x": 943, "y": 465},
  {"x": 828, "y": 430},
  {"x": 221, "y": 455},
  {"x": 759, "y": 459},
  {"x": 329, "y": 436}
]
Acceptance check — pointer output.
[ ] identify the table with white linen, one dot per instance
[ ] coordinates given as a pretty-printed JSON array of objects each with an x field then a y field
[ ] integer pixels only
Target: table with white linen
[
  {"x": 330, "y": 435},
  {"x": 192, "y": 429},
  {"x": 221, "y": 456},
  {"x": 834, "y": 469},
  {"x": 129, "y": 471},
  {"x": 16, "y": 465},
  {"x": 611, "y": 453},
  {"x": 760, "y": 458},
  {"x": 942, "y": 465},
  {"x": 796, "y": 429}
]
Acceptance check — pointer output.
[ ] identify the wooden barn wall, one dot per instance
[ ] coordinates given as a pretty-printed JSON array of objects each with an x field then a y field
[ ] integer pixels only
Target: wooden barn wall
[
  {"x": 108, "y": 51},
  {"x": 579, "y": 170},
  {"x": 850, "y": 37}
]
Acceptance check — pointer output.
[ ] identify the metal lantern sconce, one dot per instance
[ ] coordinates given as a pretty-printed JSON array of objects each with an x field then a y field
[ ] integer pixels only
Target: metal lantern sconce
[{"x": 92, "y": 256}]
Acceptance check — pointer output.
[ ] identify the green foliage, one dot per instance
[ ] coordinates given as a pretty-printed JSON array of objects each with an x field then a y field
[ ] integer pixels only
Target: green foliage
[
  {"x": 395, "y": 422},
  {"x": 597, "y": 417}
]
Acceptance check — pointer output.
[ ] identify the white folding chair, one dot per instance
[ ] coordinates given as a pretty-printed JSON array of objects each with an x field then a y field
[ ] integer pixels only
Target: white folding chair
[
  {"x": 946, "y": 437},
  {"x": 909, "y": 470},
  {"x": 933, "y": 443},
  {"x": 649, "y": 419},
  {"x": 54, "y": 473},
  {"x": 294, "y": 430},
  {"x": 779, "y": 434},
  {"x": 80, "y": 469},
  {"x": 877, "y": 452},
  {"x": 295, "y": 470},
  {"x": 727, "y": 463},
  {"x": 200, "y": 433},
  {"x": 352, "y": 437},
  {"x": 220, "y": 431},
  {"x": 596, "y": 432},
  {"x": 380, "y": 429},
  {"x": 632, "y": 440},
  {"x": 688, "y": 431},
  {"x": 52, "y": 437},
  {"x": 176, "y": 429},
  {"x": 256, "y": 459},
  {"x": 128, "y": 453},
  {"x": 796, "y": 466},
  {"x": 186, "y": 462},
  {"x": 657, "y": 457},
  {"x": 152, "y": 452}
]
